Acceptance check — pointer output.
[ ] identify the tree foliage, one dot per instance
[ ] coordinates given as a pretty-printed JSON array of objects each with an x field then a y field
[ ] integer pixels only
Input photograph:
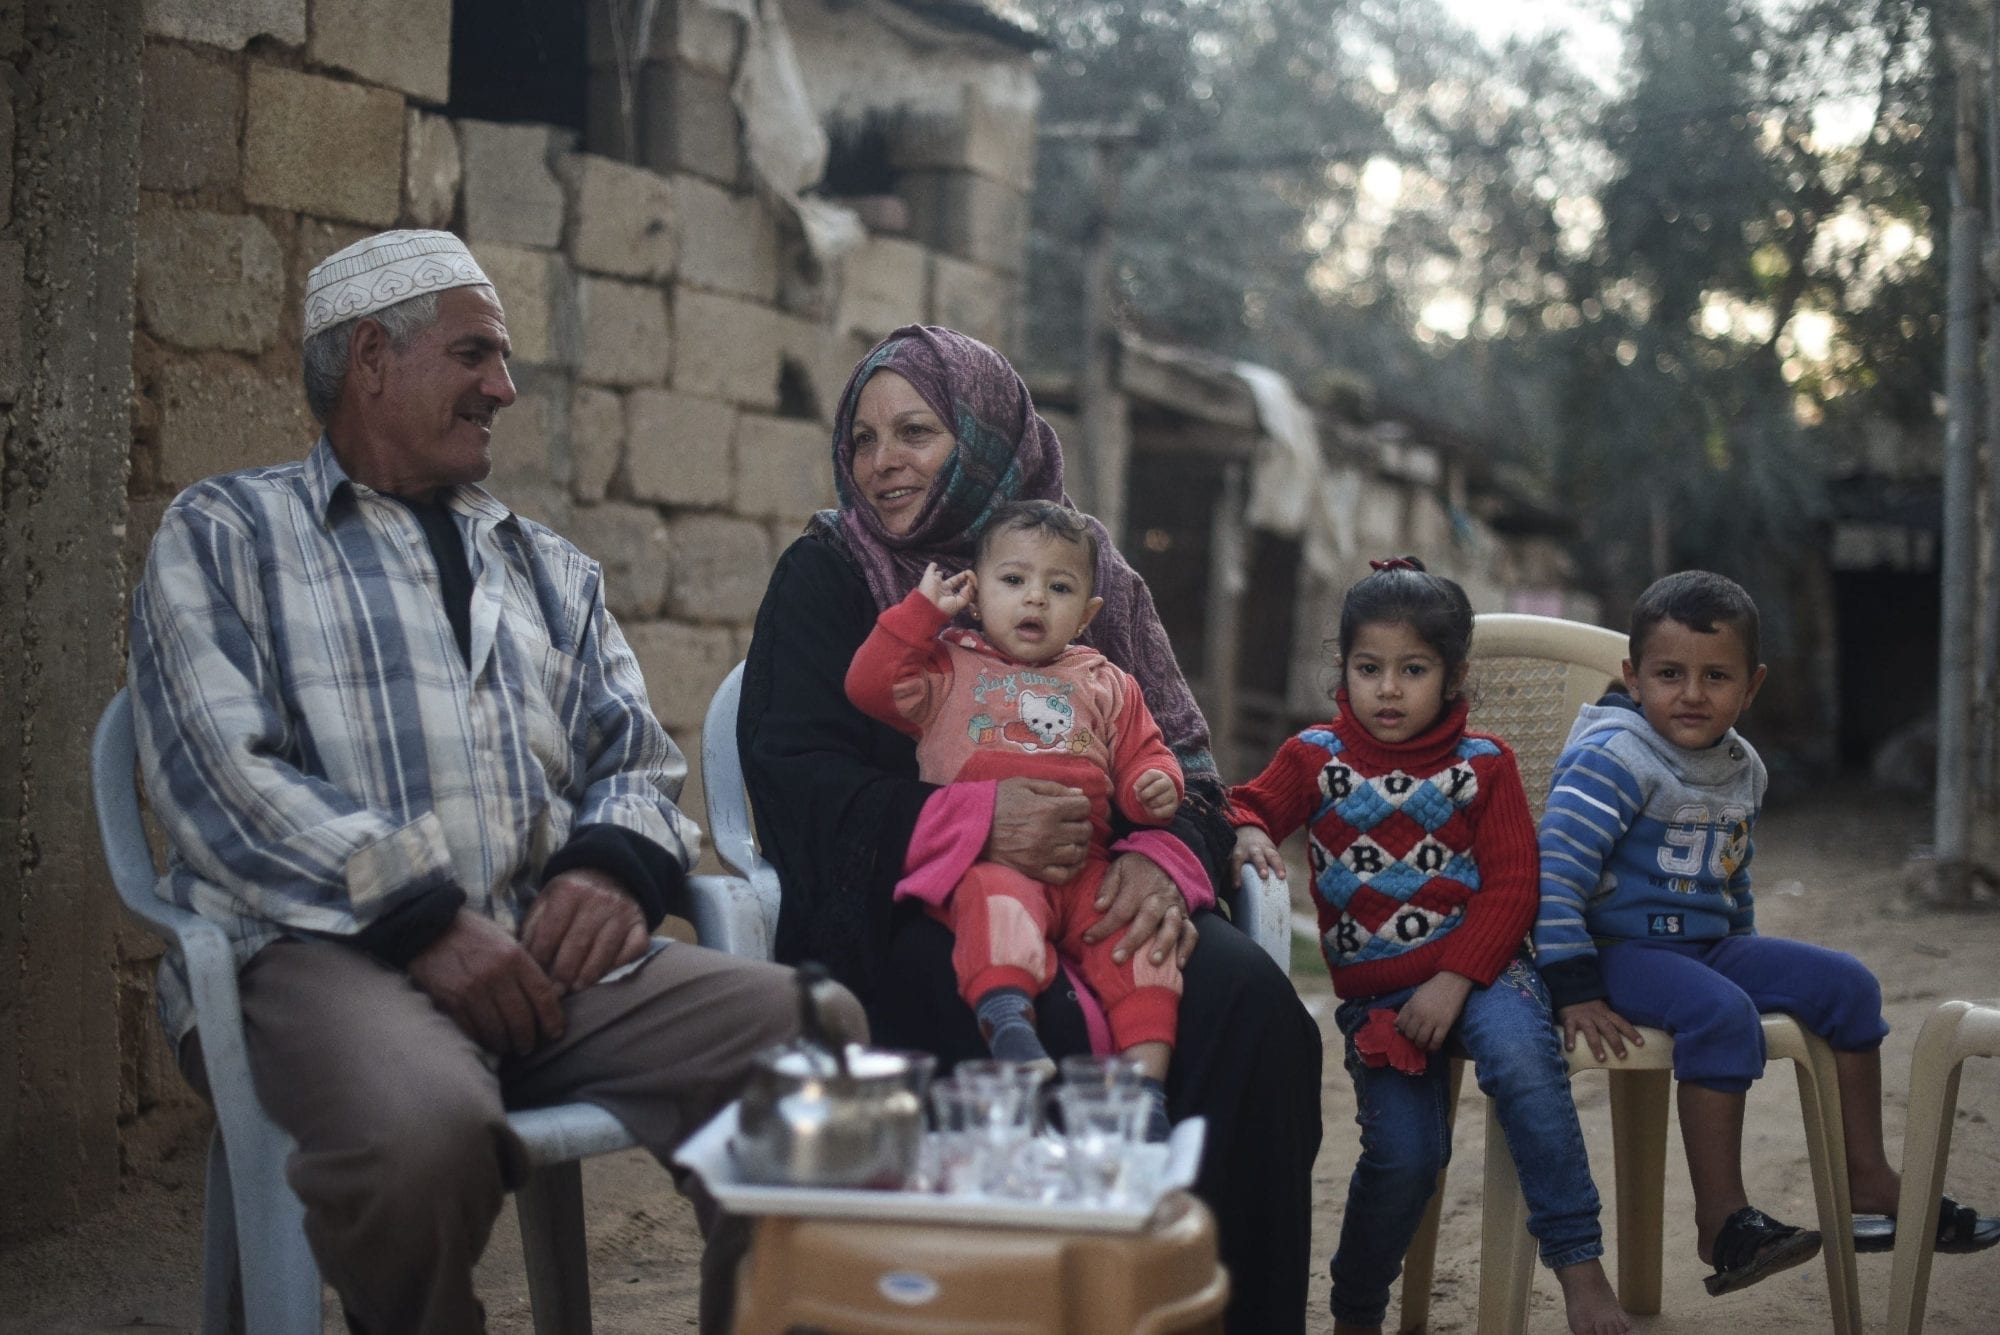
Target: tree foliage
[{"x": 1673, "y": 290}]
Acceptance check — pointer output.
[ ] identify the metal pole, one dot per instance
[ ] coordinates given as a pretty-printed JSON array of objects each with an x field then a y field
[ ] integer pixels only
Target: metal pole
[
  {"x": 1956, "y": 635},
  {"x": 1987, "y": 709}
]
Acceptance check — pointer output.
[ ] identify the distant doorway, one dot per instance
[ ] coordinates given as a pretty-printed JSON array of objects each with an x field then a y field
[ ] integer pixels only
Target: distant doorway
[{"x": 1886, "y": 655}]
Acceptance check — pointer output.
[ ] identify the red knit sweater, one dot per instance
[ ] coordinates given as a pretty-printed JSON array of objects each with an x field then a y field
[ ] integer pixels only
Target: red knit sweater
[{"x": 1422, "y": 852}]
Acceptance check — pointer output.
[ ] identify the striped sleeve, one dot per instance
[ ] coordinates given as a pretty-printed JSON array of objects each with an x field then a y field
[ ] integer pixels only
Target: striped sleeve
[
  {"x": 635, "y": 772},
  {"x": 1593, "y": 800}
]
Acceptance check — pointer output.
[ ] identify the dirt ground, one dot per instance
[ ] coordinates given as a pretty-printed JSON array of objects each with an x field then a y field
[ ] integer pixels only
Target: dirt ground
[{"x": 1828, "y": 870}]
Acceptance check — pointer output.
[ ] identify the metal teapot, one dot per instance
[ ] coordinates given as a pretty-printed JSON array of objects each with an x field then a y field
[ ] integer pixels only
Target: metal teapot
[{"x": 816, "y": 1113}]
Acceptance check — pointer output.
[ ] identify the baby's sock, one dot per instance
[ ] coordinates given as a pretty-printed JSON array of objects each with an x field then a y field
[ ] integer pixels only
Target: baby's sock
[
  {"x": 1157, "y": 1125},
  {"x": 1007, "y": 1022}
]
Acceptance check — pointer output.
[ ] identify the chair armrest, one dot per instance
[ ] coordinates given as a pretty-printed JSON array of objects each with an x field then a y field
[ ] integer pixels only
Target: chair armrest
[
  {"x": 735, "y": 914},
  {"x": 1264, "y": 914}
]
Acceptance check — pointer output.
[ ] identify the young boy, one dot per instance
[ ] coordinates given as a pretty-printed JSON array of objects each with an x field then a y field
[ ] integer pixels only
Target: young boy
[
  {"x": 1020, "y": 699},
  {"x": 1647, "y": 919}
]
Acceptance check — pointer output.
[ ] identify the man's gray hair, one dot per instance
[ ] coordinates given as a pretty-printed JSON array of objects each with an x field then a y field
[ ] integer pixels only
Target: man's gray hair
[{"x": 325, "y": 353}]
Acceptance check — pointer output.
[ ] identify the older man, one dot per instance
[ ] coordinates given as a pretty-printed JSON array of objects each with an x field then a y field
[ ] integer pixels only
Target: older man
[{"x": 404, "y": 756}]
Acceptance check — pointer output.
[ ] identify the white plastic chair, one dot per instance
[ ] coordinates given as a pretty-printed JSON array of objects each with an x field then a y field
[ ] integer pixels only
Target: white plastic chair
[
  {"x": 1533, "y": 675},
  {"x": 737, "y": 914},
  {"x": 1951, "y": 1033},
  {"x": 253, "y": 1226}
]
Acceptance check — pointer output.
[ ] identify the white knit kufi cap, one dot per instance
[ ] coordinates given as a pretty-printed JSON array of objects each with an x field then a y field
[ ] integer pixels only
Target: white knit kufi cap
[{"x": 381, "y": 270}]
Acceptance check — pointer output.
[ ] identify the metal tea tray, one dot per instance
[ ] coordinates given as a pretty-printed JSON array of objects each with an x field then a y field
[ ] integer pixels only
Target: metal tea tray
[{"x": 707, "y": 1154}]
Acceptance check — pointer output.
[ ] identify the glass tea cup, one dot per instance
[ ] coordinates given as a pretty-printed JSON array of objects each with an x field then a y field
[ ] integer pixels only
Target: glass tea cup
[
  {"x": 1113, "y": 1072},
  {"x": 1102, "y": 1125}
]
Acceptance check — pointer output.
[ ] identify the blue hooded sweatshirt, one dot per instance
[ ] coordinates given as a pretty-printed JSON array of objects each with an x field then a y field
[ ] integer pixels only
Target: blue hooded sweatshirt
[{"x": 1642, "y": 839}]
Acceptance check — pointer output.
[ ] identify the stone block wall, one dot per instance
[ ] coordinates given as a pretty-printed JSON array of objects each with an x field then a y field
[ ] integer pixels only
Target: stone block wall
[{"x": 677, "y": 360}]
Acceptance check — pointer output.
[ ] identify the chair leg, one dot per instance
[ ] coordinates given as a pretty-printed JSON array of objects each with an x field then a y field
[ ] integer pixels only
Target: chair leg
[
  {"x": 1420, "y": 1261},
  {"x": 1934, "y": 1072},
  {"x": 552, "y": 1243},
  {"x": 1639, "y": 1153},
  {"x": 1506, "y": 1252},
  {"x": 221, "y": 1281},
  {"x": 280, "y": 1278},
  {"x": 1826, "y": 1152}
]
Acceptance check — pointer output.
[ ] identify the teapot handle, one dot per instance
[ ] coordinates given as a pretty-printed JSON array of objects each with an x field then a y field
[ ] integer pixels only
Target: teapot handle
[{"x": 812, "y": 1026}]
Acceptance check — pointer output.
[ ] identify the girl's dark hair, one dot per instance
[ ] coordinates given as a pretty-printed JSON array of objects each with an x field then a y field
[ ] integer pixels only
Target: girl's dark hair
[{"x": 1402, "y": 592}]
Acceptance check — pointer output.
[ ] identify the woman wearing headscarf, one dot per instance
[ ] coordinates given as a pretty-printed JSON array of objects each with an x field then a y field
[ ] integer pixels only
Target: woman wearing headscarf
[{"x": 934, "y": 432}]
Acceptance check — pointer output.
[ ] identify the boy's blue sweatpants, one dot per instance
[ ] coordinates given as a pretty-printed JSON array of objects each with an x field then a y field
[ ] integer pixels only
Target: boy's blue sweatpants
[{"x": 1710, "y": 996}]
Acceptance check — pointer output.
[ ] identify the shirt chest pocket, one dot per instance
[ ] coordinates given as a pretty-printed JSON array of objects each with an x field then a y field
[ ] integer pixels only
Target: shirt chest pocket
[{"x": 550, "y": 690}]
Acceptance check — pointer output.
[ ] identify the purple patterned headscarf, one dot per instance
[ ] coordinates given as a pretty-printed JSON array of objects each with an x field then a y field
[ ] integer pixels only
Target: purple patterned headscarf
[{"x": 1005, "y": 452}]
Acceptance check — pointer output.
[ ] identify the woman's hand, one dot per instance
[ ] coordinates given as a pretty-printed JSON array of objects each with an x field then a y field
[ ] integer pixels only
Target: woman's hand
[
  {"x": 1255, "y": 847},
  {"x": 1427, "y": 1017},
  {"x": 948, "y": 594},
  {"x": 1041, "y": 829},
  {"x": 1139, "y": 897}
]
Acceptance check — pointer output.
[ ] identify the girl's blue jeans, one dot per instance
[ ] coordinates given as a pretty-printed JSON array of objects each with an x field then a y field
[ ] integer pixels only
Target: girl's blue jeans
[{"x": 1406, "y": 1138}]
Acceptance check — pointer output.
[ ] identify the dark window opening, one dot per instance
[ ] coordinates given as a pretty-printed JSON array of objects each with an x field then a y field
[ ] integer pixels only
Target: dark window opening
[
  {"x": 518, "y": 60},
  {"x": 795, "y": 392},
  {"x": 859, "y": 159}
]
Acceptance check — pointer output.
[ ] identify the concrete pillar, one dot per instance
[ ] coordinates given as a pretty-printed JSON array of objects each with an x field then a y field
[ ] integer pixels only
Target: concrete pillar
[{"x": 66, "y": 283}]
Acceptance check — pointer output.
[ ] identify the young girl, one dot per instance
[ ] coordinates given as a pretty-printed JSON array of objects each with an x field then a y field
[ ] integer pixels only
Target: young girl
[{"x": 1425, "y": 875}]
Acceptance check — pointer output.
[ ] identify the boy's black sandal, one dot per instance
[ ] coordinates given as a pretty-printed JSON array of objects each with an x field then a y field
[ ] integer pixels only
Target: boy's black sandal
[
  {"x": 1960, "y": 1228},
  {"x": 1752, "y": 1246}
]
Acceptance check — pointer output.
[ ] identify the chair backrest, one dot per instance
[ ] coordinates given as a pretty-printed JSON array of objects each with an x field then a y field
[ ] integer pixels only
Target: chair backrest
[
  {"x": 1530, "y": 677},
  {"x": 722, "y": 780},
  {"x": 114, "y": 786}
]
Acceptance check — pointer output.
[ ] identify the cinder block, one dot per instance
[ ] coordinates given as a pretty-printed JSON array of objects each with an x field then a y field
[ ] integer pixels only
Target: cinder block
[
  {"x": 687, "y": 123},
  {"x": 622, "y": 218},
  {"x": 882, "y": 286},
  {"x": 695, "y": 34},
  {"x": 324, "y": 147},
  {"x": 729, "y": 243},
  {"x": 630, "y": 542},
  {"x": 192, "y": 121},
  {"x": 400, "y": 44},
  {"x": 625, "y": 332},
  {"x": 227, "y": 23},
  {"x": 968, "y": 216},
  {"x": 784, "y": 467},
  {"x": 596, "y": 440},
  {"x": 677, "y": 448},
  {"x": 219, "y": 415},
  {"x": 727, "y": 349},
  {"x": 526, "y": 433},
  {"x": 210, "y": 280},
  {"x": 511, "y": 190},
  {"x": 984, "y": 303},
  {"x": 814, "y": 364},
  {"x": 431, "y": 169},
  {"x": 719, "y": 567},
  {"x": 538, "y": 294},
  {"x": 989, "y": 136},
  {"x": 682, "y": 665}
]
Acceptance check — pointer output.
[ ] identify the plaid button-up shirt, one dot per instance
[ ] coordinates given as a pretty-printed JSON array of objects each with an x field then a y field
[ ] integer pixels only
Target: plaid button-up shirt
[{"x": 310, "y": 735}]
